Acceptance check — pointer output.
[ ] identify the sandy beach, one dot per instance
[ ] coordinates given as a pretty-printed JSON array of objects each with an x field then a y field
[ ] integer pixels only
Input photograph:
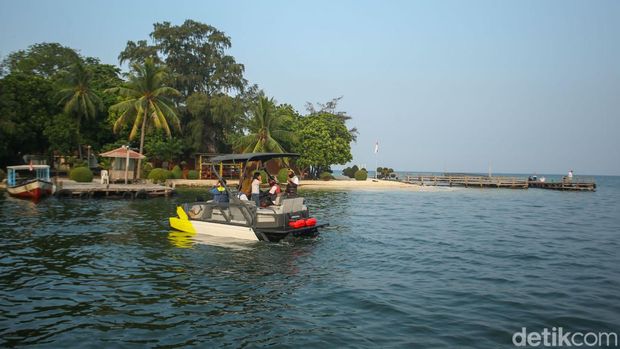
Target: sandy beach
[{"x": 368, "y": 184}]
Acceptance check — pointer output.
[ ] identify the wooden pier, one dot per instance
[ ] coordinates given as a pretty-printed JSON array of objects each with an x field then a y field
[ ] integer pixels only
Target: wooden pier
[
  {"x": 576, "y": 184},
  {"x": 119, "y": 191},
  {"x": 473, "y": 181},
  {"x": 468, "y": 181}
]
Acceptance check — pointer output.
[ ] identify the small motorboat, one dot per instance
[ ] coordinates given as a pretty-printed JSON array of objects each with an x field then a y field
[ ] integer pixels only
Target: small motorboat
[
  {"x": 29, "y": 181},
  {"x": 286, "y": 216}
]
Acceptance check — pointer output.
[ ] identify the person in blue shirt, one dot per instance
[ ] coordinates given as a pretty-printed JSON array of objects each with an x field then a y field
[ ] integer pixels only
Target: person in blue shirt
[{"x": 220, "y": 195}]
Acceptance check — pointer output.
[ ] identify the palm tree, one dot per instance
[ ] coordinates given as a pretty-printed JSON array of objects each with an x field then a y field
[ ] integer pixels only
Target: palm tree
[
  {"x": 77, "y": 96},
  {"x": 146, "y": 102},
  {"x": 266, "y": 129}
]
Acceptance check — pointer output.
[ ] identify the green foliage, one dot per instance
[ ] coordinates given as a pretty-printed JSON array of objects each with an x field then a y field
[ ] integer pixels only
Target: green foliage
[
  {"x": 160, "y": 175},
  {"x": 361, "y": 175},
  {"x": 77, "y": 96},
  {"x": 195, "y": 54},
  {"x": 146, "y": 101},
  {"x": 26, "y": 108},
  {"x": 147, "y": 167},
  {"x": 213, "y": 121},
  {"x": 30, "y": 115},
  {"x": 282, "y": 175},
  {"x": 105, "y": 163},
  {"x": 350, "y": 171},
  {"x": 160, "y": 148},
  {"x": 324, "y": 140},
  {"x": 81, "y": 174},
  {"x": 326, "y": 176},
  {"x": 176, "y": 172},
  {"x": 193, "y": 174},
  {"x": 330, "y": 107},
  {"x": 265, "y": 125},
  {"x": 44, "y": 60},
  {"x": 384, "y": 172},
  {"x": 62, "y": 134}
]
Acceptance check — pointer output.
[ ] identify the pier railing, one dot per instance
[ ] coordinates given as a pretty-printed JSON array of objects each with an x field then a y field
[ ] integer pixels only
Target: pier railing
[{"x": 468, "y": 181}]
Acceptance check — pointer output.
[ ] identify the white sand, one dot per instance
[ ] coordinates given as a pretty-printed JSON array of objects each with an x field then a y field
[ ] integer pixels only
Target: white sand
[{"x": 369, "y": 184}]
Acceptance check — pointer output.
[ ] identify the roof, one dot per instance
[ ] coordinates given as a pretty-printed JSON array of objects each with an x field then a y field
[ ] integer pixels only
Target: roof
[
  {"x": 253, "y": 157},
  {"x": 122, "y": 153},
  {"x": 28, "y": 167}
]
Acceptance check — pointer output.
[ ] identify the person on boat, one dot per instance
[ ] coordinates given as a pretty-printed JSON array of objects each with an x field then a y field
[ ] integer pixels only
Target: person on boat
[
  {"x": 570, "y": 175},
  {"x": 256, "y": 181},
  {"x": 220, "y": 195},
  {"x": 274, "y": 190},
  {"x": 292, "y": 184}
]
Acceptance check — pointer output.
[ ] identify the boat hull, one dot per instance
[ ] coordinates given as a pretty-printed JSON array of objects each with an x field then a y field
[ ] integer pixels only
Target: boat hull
[
  {"x": 185, "y": 224},
  {"x": 34, "y": 190},
  {"x": 213, "y": 229}
]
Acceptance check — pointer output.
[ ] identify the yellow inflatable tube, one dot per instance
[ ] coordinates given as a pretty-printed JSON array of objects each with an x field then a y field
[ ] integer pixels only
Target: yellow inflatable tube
[{"x": 182, "y": 222}]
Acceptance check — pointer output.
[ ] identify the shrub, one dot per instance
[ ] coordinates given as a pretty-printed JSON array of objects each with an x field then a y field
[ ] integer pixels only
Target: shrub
[
  {"x": 361, "y": 175},
  {"x": 147, "y": 167},
  {"x": 160, "y": 175},
  {"x": 81, "y": 174},
  {"x": 326, "y": 176},
  {"x": 282, "y": 175},
  {"x": 176, "y": 172},
  {"x": 192, "y": 174},
  {"x": 350, "y": 171},
  {"x": 2, "y": 175}
]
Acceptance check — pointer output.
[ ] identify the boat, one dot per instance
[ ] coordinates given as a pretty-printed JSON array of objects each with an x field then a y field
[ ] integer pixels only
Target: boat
[
  {"x": 286, "y": 217},
  {"x": 29, "y": 181}
]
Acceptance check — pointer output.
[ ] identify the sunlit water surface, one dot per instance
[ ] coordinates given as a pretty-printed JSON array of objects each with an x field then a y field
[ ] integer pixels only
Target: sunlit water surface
[{"x": 464, "y": 268}]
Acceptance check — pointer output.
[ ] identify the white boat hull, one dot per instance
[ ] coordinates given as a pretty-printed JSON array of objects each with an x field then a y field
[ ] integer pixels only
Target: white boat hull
[{"x": 224, "y": 230}]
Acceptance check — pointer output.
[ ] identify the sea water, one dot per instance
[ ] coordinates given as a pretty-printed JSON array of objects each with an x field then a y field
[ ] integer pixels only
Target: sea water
[{"x": 451, "y": 268}]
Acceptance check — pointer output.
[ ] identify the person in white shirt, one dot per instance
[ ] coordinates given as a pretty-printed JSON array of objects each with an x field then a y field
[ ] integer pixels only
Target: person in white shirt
[{"x": 256, "y": 181}]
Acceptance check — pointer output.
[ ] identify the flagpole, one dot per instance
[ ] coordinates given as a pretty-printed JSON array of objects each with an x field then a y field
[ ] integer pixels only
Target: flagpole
[{"x": 376, "y": 158}]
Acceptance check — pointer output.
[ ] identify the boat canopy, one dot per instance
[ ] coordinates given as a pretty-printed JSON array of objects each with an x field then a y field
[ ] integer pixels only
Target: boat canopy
[
  {"x": 39, "y": 171},
  {"x": 252, "y": 157}
]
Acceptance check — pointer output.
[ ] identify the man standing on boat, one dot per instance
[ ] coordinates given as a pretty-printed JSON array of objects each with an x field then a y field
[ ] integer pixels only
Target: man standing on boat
[{"x": 292, "y": 184}]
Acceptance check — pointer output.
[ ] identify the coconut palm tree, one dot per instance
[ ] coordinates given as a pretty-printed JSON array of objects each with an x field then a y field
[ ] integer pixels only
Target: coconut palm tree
[
  {"x": 77, "y": 95},
  {"x": 146, "y": 102},
  {"x": 266, "y": 129}
]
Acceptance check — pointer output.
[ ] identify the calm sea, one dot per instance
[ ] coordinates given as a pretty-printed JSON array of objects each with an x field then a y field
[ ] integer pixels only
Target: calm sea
[{"x": 451, "y": 269}]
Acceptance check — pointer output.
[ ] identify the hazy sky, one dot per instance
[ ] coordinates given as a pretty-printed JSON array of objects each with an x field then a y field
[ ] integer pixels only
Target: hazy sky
[{"x": 523, "y": 86}]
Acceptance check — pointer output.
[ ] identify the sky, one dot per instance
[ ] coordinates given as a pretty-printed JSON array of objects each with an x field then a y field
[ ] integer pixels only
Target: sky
[{"x": 459, "y": 86}]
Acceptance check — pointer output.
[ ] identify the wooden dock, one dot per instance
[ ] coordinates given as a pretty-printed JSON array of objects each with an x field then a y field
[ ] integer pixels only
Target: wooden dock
[
  {"x": 118, "y": 191},
  {"x": 576, "y": 184},
  {"x": 468, "y": 181},
  {"x": 474, "y": 181}
]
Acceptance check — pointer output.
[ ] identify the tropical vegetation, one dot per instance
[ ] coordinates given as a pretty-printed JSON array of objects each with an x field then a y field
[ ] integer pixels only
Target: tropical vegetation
[{"x": 183, "y": 94}]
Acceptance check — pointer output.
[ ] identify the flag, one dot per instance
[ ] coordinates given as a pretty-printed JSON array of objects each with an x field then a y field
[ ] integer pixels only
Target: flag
[{"x": 377, "y": 147}]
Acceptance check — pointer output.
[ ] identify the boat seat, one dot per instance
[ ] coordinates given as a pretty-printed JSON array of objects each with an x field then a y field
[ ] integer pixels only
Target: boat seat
[
  {"x": 278, "y": 200},
  {"x": 289, "y": 206}
]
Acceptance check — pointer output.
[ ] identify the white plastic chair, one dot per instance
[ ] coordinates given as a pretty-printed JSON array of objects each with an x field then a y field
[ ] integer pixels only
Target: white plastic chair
[{"x": 105, "y": 179}]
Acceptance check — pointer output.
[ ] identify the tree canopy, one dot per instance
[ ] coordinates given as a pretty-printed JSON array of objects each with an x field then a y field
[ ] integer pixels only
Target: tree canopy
[
  {"x": 55, "y": 101},
  {"x": 195, "y": 54},
  {"x": 324, "y": 141}
]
